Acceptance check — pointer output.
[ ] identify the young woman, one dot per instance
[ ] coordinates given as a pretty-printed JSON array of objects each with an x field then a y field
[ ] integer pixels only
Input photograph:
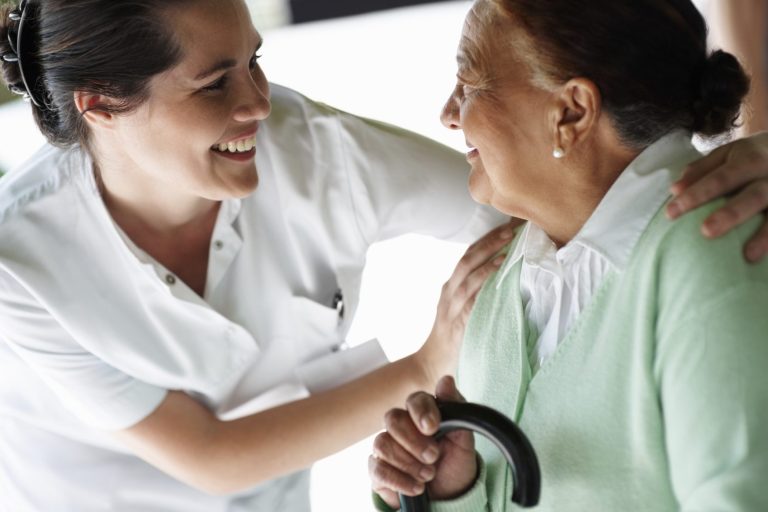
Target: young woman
[
  {"x": 179, "y": 268},
  {"x": 632, "y": 353}
]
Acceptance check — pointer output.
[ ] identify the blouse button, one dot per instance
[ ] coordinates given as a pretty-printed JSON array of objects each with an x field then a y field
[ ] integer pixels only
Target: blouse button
[
  {"x": 218, "y": 244},
  {"x": 170, "y": 279}
]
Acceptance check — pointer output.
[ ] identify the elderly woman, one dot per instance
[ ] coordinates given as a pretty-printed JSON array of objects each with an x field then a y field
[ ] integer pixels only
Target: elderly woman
[{"x": 631, "y": 353}]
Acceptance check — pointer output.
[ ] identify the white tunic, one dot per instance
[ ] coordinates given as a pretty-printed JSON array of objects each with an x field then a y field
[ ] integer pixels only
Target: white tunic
[{"x": 94, "y": 331}]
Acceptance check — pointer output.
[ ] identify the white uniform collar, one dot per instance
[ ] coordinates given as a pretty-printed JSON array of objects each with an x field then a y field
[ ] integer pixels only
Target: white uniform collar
[{"x": 620, "y": 219}]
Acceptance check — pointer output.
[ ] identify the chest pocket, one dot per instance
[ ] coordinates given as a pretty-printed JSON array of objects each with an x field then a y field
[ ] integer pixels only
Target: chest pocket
[
  {"x": 316, "y": 328},
  {"x": 326, "y": 361}
]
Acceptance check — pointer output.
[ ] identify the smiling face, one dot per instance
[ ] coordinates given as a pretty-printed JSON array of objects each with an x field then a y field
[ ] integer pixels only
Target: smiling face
[
  {"x": 501, "y": 112},
  {"x": 196, "y": 132}
]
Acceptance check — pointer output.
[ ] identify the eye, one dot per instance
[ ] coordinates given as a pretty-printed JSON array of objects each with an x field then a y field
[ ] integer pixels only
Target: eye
[
  {"x": 254, "y": 61},
  {"x": 218, "y": 85}
]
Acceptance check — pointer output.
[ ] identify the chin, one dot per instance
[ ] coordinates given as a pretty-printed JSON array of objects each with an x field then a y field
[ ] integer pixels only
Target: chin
[
  {"x": 246, "y": 186},
  {"x": 480, "y": 190}
]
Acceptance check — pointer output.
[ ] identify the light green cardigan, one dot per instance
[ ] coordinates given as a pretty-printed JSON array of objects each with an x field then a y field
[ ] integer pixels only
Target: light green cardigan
[{"x": 657, "y": 398}]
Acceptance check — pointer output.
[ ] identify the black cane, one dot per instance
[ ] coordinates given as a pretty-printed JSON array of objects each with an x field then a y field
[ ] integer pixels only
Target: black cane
[{"x": 507, "y": 437}]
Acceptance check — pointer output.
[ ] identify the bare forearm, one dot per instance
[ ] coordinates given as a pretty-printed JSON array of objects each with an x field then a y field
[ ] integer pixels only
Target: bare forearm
[
  {"x": 297, "y": 434},
  {"x": 223, "y": 457}
]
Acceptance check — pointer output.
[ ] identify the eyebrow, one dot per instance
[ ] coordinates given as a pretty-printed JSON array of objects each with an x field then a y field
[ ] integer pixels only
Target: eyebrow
[{"x": 221, "y": 65}]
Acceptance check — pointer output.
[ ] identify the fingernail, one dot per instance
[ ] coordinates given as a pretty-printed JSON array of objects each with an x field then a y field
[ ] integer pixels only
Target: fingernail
[
  {"x": 507, "y": 233},
  {"x": 429, "y": 455},
  {"x": 427, "y": 473},
  {"x": 754, "y": 253},
  {"x": 426, "y": 423},
  {"x": 673, "y": 210},
  {"x": 711, "y": 227}
]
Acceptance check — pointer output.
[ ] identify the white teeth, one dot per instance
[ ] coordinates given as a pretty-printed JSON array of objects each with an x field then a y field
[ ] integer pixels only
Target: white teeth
[{"x": 239, "y": 146}]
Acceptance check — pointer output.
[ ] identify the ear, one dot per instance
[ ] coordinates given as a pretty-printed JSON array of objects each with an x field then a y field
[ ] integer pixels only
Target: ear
[
  {"x": 91, "y": 107},
  {"x": 575, "y": 114}
]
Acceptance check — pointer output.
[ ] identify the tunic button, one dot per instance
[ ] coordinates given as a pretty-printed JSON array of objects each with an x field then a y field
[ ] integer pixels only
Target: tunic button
[
  {"x": 218, "y": 244},
  {"x": 170, "y": 279}
]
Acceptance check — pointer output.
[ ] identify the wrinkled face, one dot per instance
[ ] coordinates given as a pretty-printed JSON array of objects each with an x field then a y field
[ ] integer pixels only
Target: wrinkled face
[
  {"x": 196, "y": 133},
  {"x": 502, "y": 114}
]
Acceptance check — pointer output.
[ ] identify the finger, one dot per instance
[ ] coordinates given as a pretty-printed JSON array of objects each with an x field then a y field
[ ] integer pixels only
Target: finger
[
  {"x": 387, "y": 449},
  {"x": 694, "y": 171},
  {"x": 716, "y": 184},
  {"x": 403, "y": 430},
  {"x": 465, "y": 294},
  {"x": 482, "y": 250},
  {"x": 387, "y": 480},
  {"x": 757, "y": 247},
  {"x": 390, "y": 498},
  {"x": 743, "y": 206},
  {"x": 446, "y": 389},
  {"x": 733, "y": 171},
  {"x": 424, "y": 413}
]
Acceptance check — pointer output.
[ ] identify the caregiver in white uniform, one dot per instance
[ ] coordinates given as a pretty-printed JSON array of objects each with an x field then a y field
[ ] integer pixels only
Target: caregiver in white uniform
[{"x": 165, "y": 285}]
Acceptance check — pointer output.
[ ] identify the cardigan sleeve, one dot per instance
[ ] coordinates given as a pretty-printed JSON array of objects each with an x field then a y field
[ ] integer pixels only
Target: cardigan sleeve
[{"x": 711, "y": 368}]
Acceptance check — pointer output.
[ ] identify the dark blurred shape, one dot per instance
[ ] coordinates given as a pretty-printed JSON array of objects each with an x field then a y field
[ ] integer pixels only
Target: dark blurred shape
[{"x": 311, "y": 10}]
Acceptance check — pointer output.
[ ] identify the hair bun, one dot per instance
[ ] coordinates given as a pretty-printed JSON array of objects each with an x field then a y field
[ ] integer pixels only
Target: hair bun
[{"x": 722, "y": 86}]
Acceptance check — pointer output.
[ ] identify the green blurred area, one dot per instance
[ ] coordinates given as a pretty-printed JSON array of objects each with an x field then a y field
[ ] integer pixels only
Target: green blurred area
[{"x": 6, "y": 95}]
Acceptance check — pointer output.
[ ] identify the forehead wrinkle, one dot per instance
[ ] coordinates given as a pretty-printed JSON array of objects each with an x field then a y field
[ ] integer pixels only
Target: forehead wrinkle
[
  {"x": 513, "y": 51},
  {"x": 476, "y": 50}
]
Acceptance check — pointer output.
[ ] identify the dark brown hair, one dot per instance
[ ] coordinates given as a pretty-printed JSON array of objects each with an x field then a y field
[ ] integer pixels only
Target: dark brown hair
[
  {"x": 648, "y": 58},
  {"x": 106, "y": 47}
]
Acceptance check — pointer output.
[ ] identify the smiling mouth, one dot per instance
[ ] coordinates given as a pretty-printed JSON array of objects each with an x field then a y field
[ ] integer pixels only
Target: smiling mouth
[{"x": 243, "y": 145}]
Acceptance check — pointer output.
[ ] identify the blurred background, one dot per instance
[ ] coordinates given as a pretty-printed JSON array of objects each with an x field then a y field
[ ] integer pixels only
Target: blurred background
[{"x": 391, "y": 60}]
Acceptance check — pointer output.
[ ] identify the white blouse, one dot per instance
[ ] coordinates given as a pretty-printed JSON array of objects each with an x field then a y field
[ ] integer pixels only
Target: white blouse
[
  {"x": 556, "y": 285},
  {"x": 94, "y": 332}
]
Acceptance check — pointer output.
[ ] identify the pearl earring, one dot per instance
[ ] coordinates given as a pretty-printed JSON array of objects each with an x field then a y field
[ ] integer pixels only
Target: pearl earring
[{"x": 558, "y": 152}]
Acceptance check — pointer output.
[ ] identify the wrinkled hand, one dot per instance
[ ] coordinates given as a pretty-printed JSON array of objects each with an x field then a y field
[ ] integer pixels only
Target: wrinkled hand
[
  {"x": 739, "y": 168},
  {"x": 440, "y": 352},
  {"x": 406, "y": 457}
]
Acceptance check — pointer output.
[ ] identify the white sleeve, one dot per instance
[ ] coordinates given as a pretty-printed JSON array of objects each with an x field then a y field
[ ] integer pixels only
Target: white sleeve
[
  {"x": 97, "y": 393},
  {"x": 402, "y": 182}
]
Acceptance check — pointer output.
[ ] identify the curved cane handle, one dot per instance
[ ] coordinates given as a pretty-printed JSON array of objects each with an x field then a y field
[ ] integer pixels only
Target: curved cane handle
[{"x": 507, "y": 437}]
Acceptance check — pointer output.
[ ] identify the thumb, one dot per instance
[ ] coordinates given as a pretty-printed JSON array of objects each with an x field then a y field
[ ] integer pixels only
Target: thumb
[{"x": 446, "y": 390}]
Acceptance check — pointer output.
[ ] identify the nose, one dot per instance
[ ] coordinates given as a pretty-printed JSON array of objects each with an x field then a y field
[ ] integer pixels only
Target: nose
[
  {"x": 255, "y": 103},
  {"x": 450, "y": 113}
]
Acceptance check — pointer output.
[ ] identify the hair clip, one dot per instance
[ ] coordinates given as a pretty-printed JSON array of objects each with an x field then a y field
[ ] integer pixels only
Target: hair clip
[{"x": 21, "y": 48}]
